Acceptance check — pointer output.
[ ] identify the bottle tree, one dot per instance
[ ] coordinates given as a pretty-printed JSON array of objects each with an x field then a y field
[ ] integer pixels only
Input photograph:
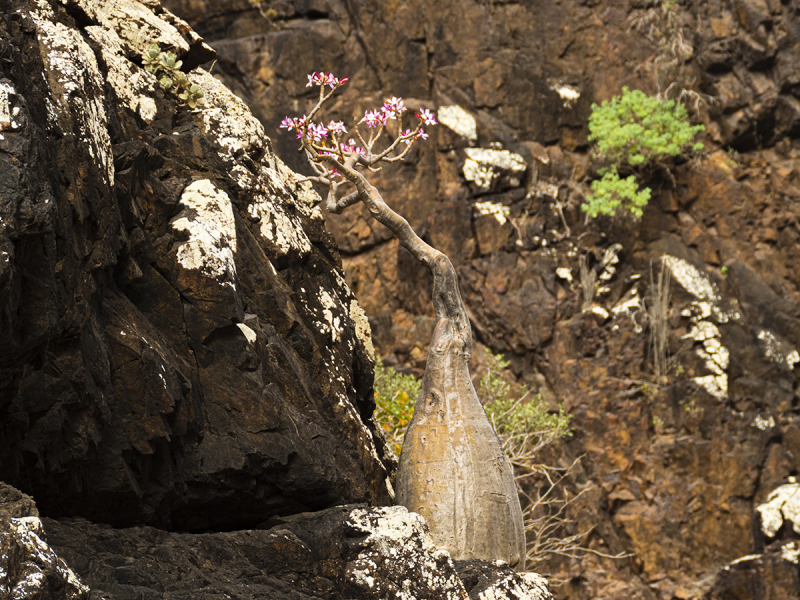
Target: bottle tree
[{"x": 453, "y": 470}]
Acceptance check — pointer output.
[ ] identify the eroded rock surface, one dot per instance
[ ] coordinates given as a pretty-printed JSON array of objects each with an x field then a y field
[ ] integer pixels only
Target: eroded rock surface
[
  {"x": 351, "y": 552},
  {"x": 178, "y": 345},
  {"x": 673, "y": 473}
]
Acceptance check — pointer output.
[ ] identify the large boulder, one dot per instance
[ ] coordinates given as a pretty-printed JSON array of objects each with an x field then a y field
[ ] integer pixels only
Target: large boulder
[
  {"x": 178, "y": 345},
  {"x": 352, "y": 552}
]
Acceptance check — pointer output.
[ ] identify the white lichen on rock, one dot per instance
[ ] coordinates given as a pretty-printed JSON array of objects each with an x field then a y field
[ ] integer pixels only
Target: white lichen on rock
[
  {"x": 522, "y": 586},
  {"x": 632, "y": 307},
  {"x": 498, "y": 211},
  {"x": 716, "y": 357},
  {"x": 212, "y": 232},
  {"x": 136, "y": 25},
  {"x": 568, "y": 93},
  {"x": 399, "y": 552},
  {"x": 39, "y": 561},
  {"x": 783, "y": 504},
  {"x": 285, "y": 232},
  {"x": 691, "y": 279},
  {"x": 484, "y": 165},
  {"x": 791, "y": 553},
  {"x": 564, "y": 273},
  {"x": 362, "y": 329},
  {"x": 777, "y": 351},
  {"x": 331, "y": 323},
  {"x": 6, "y": 116},
  {"x": 76, "y": 88},
  {"x": 248, "y": 333},
  {"x": 133, "y": 86},
  {"x": 763, "y": 424},
  {"x": 610, "y": 260},
  {"x": 457, "y": 119}
]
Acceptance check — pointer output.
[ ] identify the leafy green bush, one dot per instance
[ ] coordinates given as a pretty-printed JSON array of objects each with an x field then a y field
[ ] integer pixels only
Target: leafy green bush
[
  {"x": 634, "y": 131},
  {"x": 395, "y": 397},
  {"x": 167, "y": 69},
  {"x": 523, "y": 423}
]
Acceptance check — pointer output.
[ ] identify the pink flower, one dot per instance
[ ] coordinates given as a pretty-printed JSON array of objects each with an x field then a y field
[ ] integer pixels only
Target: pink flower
[
  {"x": 422, "y": 135},
  {"x": 407, "y": 134},
  {"x": 375, "y": 118},
  {"x": 393, "y": 107},
  {"x": 329, "y": 80},
  {"x": 426, "y": 117},
  {"x": 318, "y": 132},
  {"x": 337, "y": 127},
  {"x": 351, "y": 147},
  {"x": 288, "y": 123},
  {"x": 312, "y": 80},
  {"x": 333, "y": 173}
]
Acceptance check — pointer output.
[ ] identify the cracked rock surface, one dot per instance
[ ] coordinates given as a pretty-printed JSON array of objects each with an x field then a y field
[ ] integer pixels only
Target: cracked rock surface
[
  {"x": 346, "y": 552},
  {"x": 178, "y": 346}
]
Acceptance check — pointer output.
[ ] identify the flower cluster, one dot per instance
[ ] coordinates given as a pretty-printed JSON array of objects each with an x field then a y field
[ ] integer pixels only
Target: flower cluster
[
  {"x": 325, "y": 79},
  {"x": 321, "y": 140}
]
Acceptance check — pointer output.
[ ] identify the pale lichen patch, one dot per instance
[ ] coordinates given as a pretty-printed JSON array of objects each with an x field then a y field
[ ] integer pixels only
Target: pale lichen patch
[
  {"x": 564, "y": 273},
  {"x": 362, "y": 329},
  {"x": 498, "y": 211},
  {"x": 137, "y": 26},
  {"x": 458, "y": 120},
  {"x": 777, "y": 351},
  {"x": 6, "y": 118},
  {"x": 791, "y": 552},
  {"x": 278, "y": 227},
  {"x": 763, "y": 424},
  {"x": 332, "y": 324},
  {"x": 40, "y": 555},
  {"x": 398, "y": 541},
  {"x": 131, "y": 84},
  {"x": 691, "y": 279},
  {"x": 568, "y": 93},
  {"x": 783, "y": 504},
  {"x": 484, "y": 165},
  {"x": 76, "y": 86},
  {"x": 248, "y": 333},
  {"x": 212, "y": 232},
  {"x": 227, "y": 121}
]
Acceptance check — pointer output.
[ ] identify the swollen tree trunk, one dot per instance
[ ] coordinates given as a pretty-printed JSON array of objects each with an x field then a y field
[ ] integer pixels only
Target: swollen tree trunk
[{"x": 453, "y": 470}]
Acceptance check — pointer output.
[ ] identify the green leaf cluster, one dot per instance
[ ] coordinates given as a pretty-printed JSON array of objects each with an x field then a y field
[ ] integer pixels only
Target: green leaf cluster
[
  {"x": 613, "y": 192},
  {"x": 632, "y": 131},
  {"x": 522, "y": 421},
  {"x": 395, "y": 397},
  {"x": 167, "y": 69}
]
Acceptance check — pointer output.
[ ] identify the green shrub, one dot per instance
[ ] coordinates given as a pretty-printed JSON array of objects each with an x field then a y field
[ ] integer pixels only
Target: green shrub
[
  {"x": 634, "y": 131},
  {"x": 395, "y": 397},
  {"x": 166, "y": 68},
  {"x": 613, "y": 192},
  {"x": 522, "y": 422}
]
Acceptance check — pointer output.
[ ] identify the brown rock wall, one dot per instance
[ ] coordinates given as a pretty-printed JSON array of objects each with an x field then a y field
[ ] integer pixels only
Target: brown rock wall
[{"x": 675, "y": 474}]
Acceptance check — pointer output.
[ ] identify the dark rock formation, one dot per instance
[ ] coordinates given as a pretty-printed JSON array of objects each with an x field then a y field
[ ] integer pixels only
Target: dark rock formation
[
  {"x": 344, "y": 552},
  {"x": 674, "y": 472},
  {"x": 29, "y": 567},
  {"x": 178, "y": 346}
]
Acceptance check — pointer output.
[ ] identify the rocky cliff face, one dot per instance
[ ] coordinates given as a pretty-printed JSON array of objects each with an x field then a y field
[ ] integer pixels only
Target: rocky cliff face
[
  {"x": 178, "y": 345},
  {"x": 675, "y": 470},
  {"x": 179, "y": 349}
]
